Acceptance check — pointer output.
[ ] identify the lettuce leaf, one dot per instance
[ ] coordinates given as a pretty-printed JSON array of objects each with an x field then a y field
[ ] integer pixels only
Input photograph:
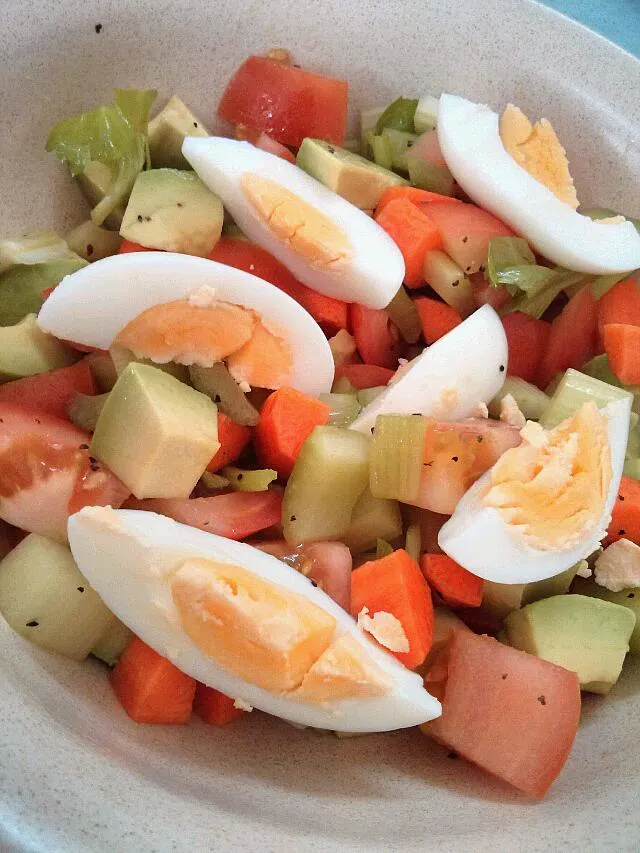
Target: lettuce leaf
[{"x": 115, "y": 135}]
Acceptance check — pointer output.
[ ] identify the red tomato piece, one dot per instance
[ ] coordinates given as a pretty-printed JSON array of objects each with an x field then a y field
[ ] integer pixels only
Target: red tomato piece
[
  {"x": 513, "y": 714},
  {"x": 466, "y": 231},
  {"x": 377, "y": 338},
  {"x": 50, "y": 392},
  {"x": 128, "y": 246},
  {"x": 363, "y": 376},
  {"x": 286, "y": 102},
  {"x": 527, "y": 340},
  {"x": 625, "y": 515},
  {"x": 572, "y": 339},
  {"x": 485, "y": 294}
]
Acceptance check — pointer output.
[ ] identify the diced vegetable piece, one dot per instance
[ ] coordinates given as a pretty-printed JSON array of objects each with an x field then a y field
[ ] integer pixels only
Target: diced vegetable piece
[
  {"x": 499, "y": 599},
  {"x": 376, "y": 336},
  {"x": 330, "y": 473},
  {"x": 50, "y": 391},
  {"x": 113, "y": 642},
  {"x": 437, "y": 318},
  {"x": 345, "y": 408},
  {"x": 449, "y": 282},
  {"x": 167, "y": 132},
  {"x": 599, "y": 368},
  {"x": 531, "y": 401},
  {"x": 400, "y": 142},
  {"x": 381, "y": 150},
  {"x": 383, "y": 549},
  {"x": 505, "y": 253},
  {"x": 38, "y": 247},
  {"x": 286, "y": 102},
  {"x": 413, "y": 542},
  {"x": 429, "y": 523},
  {"x": 398, "y": 115},
  {"x": 361, "y": 376},
  {"x": 102, "y": 369},
  {"x": 368, "y": 395},
  {"x": 93, "y": 243},
  {"x": 213, "y": 707},
  {"x": 576, "y": 388},
  {"x": 433, "y": 177},
  {"x": 457, "y": 586},
  {"x": 527, "y": 339},
  {"x": 445, "y": 623},
  {"x": 622, "y": 344},
  {"x": 413, "y": 194},
  {"x": 414, "y": 234},
  {"x": 625, "y": 516},
  {"x": 547, "y": 288},
  {"x": 485, "y": 294},
  {"x": 572, "y": 339},
  {"x": 621, "y": 304},
  {"x": 22, "y": 286},
  {"x": 511, "y": 713},
  {"x": 372, "y": 519},
  {"x": 368, "y": 121},
  {"x": 329, "y": 565},
  {"x": 395, "y": 584},
  {"x": 397, "y": 451},
  {"x": 343, "y": 348},
  {"x": 123, "y": 357},
  {"x": 287, "y": 419},
  {"x": 150, "y": 688},
  {"x": 426, "y": 114},
  {"x": 625, "y": 598},
  {"x": 243, "y": 480},
  {"x": 216, "y": 382},
  {"x": 403, "y": 314},
  {"x": 84, "y": 410},
  {"x": 342, "y": 385},
  {"x": 233, "y": 439},
  {"x": 46, "y": 600},
  {"x": 213, "y": 482},
  {"x": 527, "y": 281}
]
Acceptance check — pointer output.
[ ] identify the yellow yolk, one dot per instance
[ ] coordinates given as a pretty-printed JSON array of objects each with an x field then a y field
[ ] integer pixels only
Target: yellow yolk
[
  {"x": 307, "y": 231},
  {"x": 553, "y": 487},
  {"x": 538, "y": 150},
  {"x": 263, "y": 362},
  {"x": 385, "y": 628}
]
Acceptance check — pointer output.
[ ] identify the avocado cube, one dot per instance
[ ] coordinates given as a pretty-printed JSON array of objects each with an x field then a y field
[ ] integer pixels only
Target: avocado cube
[
  {"x": 92, "y": 242},
  {"x": 173, "y": 210},
  {"x": 21, "y": 286},
  {"x": 355, "y": 178},
  {"x": 155, "y": 433},
  {"x": 629, "y": 598},
  {"x": 167, "y": 132},
  {"x": 26, "y": 350},
  {"x": 585, "y": 635},
  {"x": 96, "y": 183}
]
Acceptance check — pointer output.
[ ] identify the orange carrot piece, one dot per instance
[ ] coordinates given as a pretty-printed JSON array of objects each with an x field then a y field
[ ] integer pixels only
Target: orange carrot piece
[
  {"x": 150, "y": 688},
  {"x": 233, "y": 439},
  {"x": 414, "y": 234},
  {"x": 412, "y": 194},
  {"x": 213, "y": 707},
  {"x": 621, "y": 304},
  {"x": 396, "y": 585},
  {"x": 625, "y": 516},
  {"x": 457, "y": 586},
  {"x": 437, "y": 318},
  {"x": 287, "y": 419},
  {"x": 622, "y": 345}
]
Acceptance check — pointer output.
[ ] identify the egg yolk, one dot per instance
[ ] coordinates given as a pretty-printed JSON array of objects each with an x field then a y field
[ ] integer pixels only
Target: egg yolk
[
  {"x": 553, "y": 487},
  {"x": 269, "y": 635},
  {"x": 538, "y": 150},
  {"x": 307, "y": 231}
]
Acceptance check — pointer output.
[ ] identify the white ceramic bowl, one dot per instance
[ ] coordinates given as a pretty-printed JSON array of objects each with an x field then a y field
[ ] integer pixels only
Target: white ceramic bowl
[{"x": 75, "y": 773}]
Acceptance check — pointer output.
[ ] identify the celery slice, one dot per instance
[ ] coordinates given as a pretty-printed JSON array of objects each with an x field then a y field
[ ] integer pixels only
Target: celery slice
[
  {"x": 328, "y": 477},
  {"x": 113, "y": 642},
  {"x": 531, "y": 401},
  {"x": 216, "y": 382},
  {"x": 84, "y": 410},
  {"x": 345, "y": 408},
  {"x": 368, "y": 395},
  {"x": 243, "y": 480},
  {"x": 404, "y": 314},
  {"x": 398, "y": 115},
  {"x": 372, "y": 518},
  {"x": 400, "y": 142},
  {"x": 426, "y": 114},
  {"x": 397, "y": 452},
  {"x": 383, "y": 549},
  {"x": 449, "y": 282},
  {"x": 381, "y": 150},
  {"x": 433, "y": 177},
  {"x": 413, "y": 542},
  {"x": 213, "y": 481},
  {"x": 576, "y": 388},
  {"x": 537, "y": 302}
]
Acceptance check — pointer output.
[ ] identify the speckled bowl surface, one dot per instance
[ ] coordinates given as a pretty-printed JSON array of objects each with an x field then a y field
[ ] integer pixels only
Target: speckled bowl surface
[{"x": 75, "y": 774}]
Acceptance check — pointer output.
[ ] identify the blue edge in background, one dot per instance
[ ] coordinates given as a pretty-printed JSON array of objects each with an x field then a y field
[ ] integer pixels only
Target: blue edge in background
[{"x": 617, "y": 20}]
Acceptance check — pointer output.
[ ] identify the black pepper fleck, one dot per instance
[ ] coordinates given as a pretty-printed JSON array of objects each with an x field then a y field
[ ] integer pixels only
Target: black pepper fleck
[
  {"x": 542, "y": 700},
  {"x": 427, "y": 464},
  {"x": 205, "y": 523},
  {"x": 80, "y": 588},
  {"x": 89, "y": 249},
  {"x": 37, "y": 420},
  {"x": 83, "y": 447},
  {"x": 217, "y": 398},
  {"x": 147, "y": 219},
  {"x": 98, "y": 28},
  {"x": 455, "y": 283},
  {"x": 140, "y": 217},
  {"x": 502, "y": 368},
  {"x": 479, "y": 439},
  {"x": 295, "y": 65},
  {"x": 631, "y": 595},
  {"x": 33, "y": 624},
  {"x": 504, "y": 676},
  {"x": 93, "y": 460},
  {"x": 94, "y": 466},
  {"x": 620, "y": 497},
  {"x": 481, "y": 268},
  {"x": 293, "y": 518},
  {"x": 468, "y": 269},
  {"x": 621, "y": 532},
  {"x": 313, "y": 583},
  {"x": 454, "y": 458},
  {"x": 180, "y": 204},
  {"x": 452, "y": 754},
  {"x": 195, "y": 124},
  {"x": 410, "y": 143},
  {"x": 465, "y": 239},
  {"x": 240, "y": 476},
  {"x": 373, "y": 429},
  {"x": 331, "y": 149}
]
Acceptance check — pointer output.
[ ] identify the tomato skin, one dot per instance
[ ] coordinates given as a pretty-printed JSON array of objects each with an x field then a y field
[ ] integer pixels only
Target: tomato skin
[
  {"x": 363, "y": 376},
  {"x": 527, "y": 340},
  {"x": 466, "y": 231},
  {"x": 285, "y": 102},
  {"x": 49, "y": 392},
  {"x": 573, "y": 337},
  {"x": 377, "y": 338},
  {"x": 485, "y": 294}
]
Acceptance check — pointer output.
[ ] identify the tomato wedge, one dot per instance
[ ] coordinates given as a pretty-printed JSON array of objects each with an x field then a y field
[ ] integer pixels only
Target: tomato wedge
[
  {"x": 49, "y": 392},
  {"x": 363, "y": 376},
  {"x": 466, "y": 231},
  {"x": 527, "y": 339},
  {"x": 377, "y": 338},
  {"x": 572, "y": 339}
]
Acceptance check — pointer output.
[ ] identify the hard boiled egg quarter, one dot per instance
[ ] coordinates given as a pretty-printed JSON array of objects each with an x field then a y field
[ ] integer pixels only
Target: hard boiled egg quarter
[
  {"x": 469, "y": 136},
  {"x": 174, "y": 307},
  {"x": 242, "y": 621},
  {"x": 324, "y": 240},
  {"x": 545, "y": 504},
  {"x": 450, "y": 378}
]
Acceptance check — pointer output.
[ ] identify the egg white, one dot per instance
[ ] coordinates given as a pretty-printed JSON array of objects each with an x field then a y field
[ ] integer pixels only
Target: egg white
[
  {"x": 470, "y": 140},
  {"x": 126, "y": 555},
  {"x": 94, "y": 304},
  {"x": 374, "y": 272},
  {"x": 480, "y": 540},
  {"x": 447, "y": 380}
]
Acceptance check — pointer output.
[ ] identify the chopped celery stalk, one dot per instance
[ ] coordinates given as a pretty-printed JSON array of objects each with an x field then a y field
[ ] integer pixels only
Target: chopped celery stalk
[
  {"x": 103, "y": 370},
  {"x": 506, "y": 252},
  {"x": 213, "y": 481},
  {"x": 96, "y": 183},
  {"x": 216, "y": 382},
  {"x": 343, "y": 347},
  {"x": 242, "y": 480},
  {"x": 413, "y": 542},
  {"x": 45, "y": 599},
  {"x": 576, "y": 388},
  {"x": 93, "y": 243},
  {"x": 426, "y": 114},
  {"x": 343, "y": 386},
  {"x": 397, "y": 453},
  {"x": 434, "y": 177},
  {"x": 404, "y": 314},
  {"x": 39, "y": 247},
  {"x": 368, "y": 121},
  {"x": 398, "y": 115},
  {"x": 383, "y": 549},
  {"x": 400, "y": 142},
  {"x": 536, "y": 303},
  {"x": 83, "y": 410},
  {"x": 122, "y": 357},
  {"x": 531, "y": 401},
  {"x": 449, "y": 282},
  {"x": 372, "y": 518},
  {"x": 21, "y": 287},
  {"x": 381, "y": 151},
  {"x": 328, "y": 477},
  {"x": 368, "y": 395},
  {"x": 345, "y": 408},
  {"x": 113, "y": 642}
]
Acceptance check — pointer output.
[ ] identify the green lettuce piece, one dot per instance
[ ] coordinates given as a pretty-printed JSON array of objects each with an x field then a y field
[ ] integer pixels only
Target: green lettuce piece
[
  {"x": 399, "y": 115},
  {"x": 537, "y": 302},
  {"x": 21, "y": 287},
  {"x": 115, "y": 135},
  {"x": 504, "y": 253}
]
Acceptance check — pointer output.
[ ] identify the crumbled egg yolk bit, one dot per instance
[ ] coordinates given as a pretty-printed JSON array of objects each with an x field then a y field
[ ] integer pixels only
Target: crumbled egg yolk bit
[
  {"x": 263, "y": 362},
  {"x": 538, "y": 150},
  {"x": 306, "y": 230},
  {"x": 553, "y": 489},
  {"x": 385, "y": 628}
]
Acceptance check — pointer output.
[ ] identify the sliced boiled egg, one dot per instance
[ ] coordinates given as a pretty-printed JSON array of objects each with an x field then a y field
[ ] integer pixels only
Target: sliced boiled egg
[
  {"x": 174, "y": 307},
  {"x": 523, "y": 178},
  {"x": 450, "y": 378},
  {"x": 324, "y": 240},
  {"x": 546, "y": 504},
  {"x": 244, "y": 622}
]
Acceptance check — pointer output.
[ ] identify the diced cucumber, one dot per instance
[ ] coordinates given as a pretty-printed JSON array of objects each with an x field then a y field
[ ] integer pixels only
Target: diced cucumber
[
  {"x": 398, "y": 115},
  {"x": 599, "y": 368},
  {"x": 345, "y": 408},
  {"x": 372, "y": 518},
  {"x": 368, "y": 121},
  {"x": 113, "y": 642},
  {"x": 329, "y": 475},
  {"x": 449, "y": 282},
  {"x": 383, "y": 549},
  {"x": 243, "y": 480},
  {"x": 413, "y": 542},
  {"x": 426, "y": 114},
  {"x": 45, "y": 599},
  {"x": 381, "y": 150},
  {"x": 368, "y": 395},
  {"x": 93, "y": 243},
  {"x": 404, "y": 315},
  {"x": 434, "y": 177},
  {"x": 123, "y": 357},
  {"x": 216, "y": 382},
  {"x": 103, "y": 370},
  {"x": 576, "y": 388},
  {"x": 213, "y": 481},
  {"x": 400, "y": 142},
  {"x": 397, "y": 453},
  {"x": 84, "y": 410},
  {"x": 531, "y": 401}
]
